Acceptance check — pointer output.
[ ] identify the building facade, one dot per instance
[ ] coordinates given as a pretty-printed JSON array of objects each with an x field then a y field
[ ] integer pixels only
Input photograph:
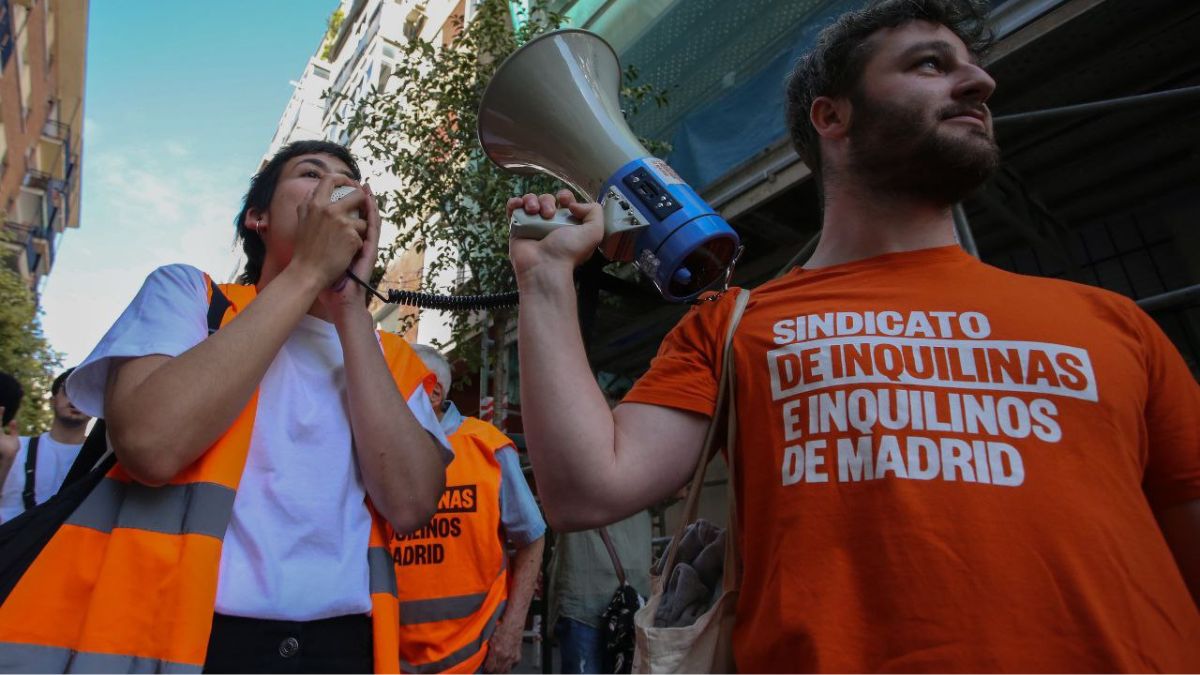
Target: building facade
[
  {"x": 42, "y": 47},
  {"x": 358, "y": 53}
]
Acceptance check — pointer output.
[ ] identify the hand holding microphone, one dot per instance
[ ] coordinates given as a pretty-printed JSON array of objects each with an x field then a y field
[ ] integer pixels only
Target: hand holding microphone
[
  {"x": 339, "y": 193},
  {"x": 337, "y": 225}
]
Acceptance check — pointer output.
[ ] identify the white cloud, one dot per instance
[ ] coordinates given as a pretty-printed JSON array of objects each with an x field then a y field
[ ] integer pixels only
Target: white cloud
[
  {"x": 142, "y": 210},
  {"x": 92, "y": 129},
  {"x": 176, "y": 149}
]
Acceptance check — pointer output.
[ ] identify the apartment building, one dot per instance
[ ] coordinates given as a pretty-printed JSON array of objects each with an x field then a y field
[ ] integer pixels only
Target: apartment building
[
  {"x": 357, "y": 53},
  {"x": 42, "y": 48}
]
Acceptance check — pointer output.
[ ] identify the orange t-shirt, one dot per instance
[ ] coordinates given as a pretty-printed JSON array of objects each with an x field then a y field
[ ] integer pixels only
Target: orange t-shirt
[{"x": 943, "y": 466}]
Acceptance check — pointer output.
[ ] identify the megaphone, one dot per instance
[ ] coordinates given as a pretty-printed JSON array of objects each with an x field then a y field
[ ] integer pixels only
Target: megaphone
[{"x": 553, "y": 107}]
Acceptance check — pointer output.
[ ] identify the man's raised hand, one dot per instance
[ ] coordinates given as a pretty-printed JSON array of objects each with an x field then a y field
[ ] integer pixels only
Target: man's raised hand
[{"x": 563, "y": 249}]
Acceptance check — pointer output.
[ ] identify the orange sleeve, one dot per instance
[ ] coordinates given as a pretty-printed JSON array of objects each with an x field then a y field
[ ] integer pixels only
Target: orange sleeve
[
  {"x": 1172, "y": 421},
  {"x": 684, "y": 374}
]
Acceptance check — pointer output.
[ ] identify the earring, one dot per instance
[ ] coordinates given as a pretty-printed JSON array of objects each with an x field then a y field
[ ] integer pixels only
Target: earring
[{"x": 258, "y": 226}]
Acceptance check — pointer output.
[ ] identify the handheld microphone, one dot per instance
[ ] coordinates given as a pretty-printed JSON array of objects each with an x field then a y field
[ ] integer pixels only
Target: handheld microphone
[{"x": 341, "y": 192}]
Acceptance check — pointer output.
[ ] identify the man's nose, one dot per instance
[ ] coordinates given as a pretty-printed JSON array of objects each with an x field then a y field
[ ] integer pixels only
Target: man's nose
[{"x": 975, "y": 84}]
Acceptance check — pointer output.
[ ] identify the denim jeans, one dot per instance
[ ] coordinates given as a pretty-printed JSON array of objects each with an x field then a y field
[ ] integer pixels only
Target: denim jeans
[{"x": 580, "y": 646}]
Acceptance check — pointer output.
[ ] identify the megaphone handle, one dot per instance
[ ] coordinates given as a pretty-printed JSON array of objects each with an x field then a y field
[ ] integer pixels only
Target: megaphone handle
[{"x": 534, "y": 226}]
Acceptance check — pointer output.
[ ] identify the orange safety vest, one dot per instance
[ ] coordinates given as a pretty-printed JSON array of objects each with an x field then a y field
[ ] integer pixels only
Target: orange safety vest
[
  {"x": 452, "y": 573},
  {"x": 129, "y": 582}
]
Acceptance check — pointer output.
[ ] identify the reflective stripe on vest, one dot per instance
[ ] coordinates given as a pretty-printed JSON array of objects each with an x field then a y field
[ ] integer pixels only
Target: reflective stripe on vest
[
  {"x": 441, "y": 609},
  {"x": 461, "y": 655},
  {"x": 22, "y": 658},
  {"x": 194, "y": 508},
  {"x": 128, "y": 583},
  {"x": 452, "y": 573}
]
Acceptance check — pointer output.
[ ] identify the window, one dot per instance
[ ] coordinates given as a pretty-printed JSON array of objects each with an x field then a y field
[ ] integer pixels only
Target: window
[
  {"x": 320, "y": 72},
  {"x": 3, "y": 148},
  {"x": 20, "y": 19},
  {"x": 414, "y": 24},
  {"x": 50, "y": 14}
]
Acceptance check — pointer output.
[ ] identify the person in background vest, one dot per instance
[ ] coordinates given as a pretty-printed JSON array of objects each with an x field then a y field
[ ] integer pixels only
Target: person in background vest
[
  {"x": 42, "y": 462},
  {"x": 279, "y": 392},
  {"x": 453, "y": 574}
]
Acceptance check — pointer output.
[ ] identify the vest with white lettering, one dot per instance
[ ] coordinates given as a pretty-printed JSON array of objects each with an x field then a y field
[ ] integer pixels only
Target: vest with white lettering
[
  {"x": 129, "y": 582},
  {"x": 452, "y": 574}
]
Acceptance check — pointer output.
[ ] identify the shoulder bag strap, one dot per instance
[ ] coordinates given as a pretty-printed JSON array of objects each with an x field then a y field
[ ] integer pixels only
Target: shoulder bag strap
[
  {"x": 692, "y": 505},
  {"x": 28, "y": 495},
  {"x": 612, "y": 553},
  {"x": 731, "y": 577},
  {"x": 217, "y": 305}
]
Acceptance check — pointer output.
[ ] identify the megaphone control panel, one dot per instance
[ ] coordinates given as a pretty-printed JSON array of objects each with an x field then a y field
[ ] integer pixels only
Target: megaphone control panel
[{"x": 653, "y": 196}]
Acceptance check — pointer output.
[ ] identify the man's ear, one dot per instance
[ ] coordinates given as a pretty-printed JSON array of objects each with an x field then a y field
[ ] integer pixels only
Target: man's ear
[
  {"x": 439, "y": 395},
  {"x": 831, "y": 117}
]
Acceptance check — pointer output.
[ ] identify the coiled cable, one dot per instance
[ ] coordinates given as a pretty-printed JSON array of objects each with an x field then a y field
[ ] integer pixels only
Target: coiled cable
[{"x": 451, "y": 303}]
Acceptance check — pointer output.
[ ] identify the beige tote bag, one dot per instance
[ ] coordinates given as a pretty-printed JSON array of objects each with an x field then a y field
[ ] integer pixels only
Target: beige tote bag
[{"x": 706, "y": 646}]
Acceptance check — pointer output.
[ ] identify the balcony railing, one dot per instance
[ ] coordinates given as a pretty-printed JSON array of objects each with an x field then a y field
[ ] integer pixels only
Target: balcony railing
[
  {"x": 42, "y": 243},
  {"x": 36, "y": 243},
  {"x": 60, "y": 132},
  {"x": 40, "y": 180},
  {"x": 56, "y": 131}
]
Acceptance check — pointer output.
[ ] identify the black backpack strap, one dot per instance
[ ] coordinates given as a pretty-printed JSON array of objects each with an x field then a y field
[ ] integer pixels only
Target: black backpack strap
[
  {"x": 95, "y": 447},
  {"x": 30, "y": 472},
  {"x": 217, "y": 306}
]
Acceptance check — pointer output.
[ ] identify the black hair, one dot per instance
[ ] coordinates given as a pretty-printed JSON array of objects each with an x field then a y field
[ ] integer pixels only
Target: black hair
[
  {"x": 60, "y": 381},
  {"x": 11, "y": 394},
  {"x": 835, "y": 64},
  {"x": 262, "y": 189}
]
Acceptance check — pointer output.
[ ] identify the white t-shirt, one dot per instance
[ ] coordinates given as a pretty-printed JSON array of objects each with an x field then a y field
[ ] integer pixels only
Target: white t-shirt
[
  {"x": 296, "y": 545},
  {"x": 53, "y": 461}
]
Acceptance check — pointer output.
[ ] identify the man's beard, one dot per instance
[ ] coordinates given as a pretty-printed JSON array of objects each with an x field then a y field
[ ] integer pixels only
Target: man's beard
[
  {"x": 898, "y": 150},
  {"x": 72, "y": 420}
]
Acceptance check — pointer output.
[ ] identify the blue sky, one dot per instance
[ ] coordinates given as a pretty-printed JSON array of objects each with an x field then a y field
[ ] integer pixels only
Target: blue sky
[{"x": 182, "y": 98}]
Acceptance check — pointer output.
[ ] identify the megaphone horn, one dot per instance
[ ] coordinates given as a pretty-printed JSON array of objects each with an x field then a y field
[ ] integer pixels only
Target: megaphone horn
[{"x": 554, "y": 107}]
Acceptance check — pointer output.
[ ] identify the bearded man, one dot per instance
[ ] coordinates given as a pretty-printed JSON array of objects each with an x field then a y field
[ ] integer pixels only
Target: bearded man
[{"x": 941, "y": 466}]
